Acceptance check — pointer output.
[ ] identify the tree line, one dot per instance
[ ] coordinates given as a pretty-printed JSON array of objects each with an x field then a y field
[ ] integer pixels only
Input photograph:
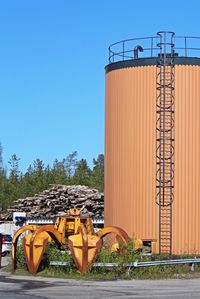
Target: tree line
[{"x": 69, "y": 171}]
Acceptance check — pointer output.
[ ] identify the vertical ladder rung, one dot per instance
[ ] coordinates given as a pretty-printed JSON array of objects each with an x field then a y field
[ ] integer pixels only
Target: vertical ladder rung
[{"x": 165, "y": 139}]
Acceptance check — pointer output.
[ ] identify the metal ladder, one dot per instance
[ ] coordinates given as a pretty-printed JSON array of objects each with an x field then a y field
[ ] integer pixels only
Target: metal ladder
[{"x": 165, "y": 139}]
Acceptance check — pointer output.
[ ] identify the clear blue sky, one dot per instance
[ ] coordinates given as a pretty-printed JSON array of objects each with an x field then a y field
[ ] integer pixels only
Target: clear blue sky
[{"x": 52, "y": 58}]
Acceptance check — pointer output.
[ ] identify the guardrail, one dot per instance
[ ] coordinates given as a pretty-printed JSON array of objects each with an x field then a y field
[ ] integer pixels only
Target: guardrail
[
  {"x": 137, "y": 264},
  {"x": 184, "y": 46}
]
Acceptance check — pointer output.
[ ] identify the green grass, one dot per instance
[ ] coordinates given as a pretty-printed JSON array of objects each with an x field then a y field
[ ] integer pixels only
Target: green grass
[{"x": 127, "y": 254}]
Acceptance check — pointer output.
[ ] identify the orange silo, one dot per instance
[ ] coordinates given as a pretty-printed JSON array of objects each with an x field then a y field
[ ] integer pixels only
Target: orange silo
[{"x": 152, "y": 143}]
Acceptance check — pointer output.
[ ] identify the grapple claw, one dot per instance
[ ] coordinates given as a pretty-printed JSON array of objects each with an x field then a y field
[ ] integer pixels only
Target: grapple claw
[
  {"x": 15, "y": 239},
  {"x": 74, "y": 230},
  {"x": 120, "y": 236},
  {"x": 34, "y": 248},
  {"x": 84, "y": 248},
  {"x": 120, "y": 233}
]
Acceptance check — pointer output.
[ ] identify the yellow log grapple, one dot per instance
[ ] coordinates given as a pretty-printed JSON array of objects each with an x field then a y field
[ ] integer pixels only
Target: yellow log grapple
[{"x": 72, "y": 231}]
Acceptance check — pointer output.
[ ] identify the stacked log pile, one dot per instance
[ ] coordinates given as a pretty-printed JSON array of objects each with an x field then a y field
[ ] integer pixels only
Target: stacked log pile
[{"x": 58, "y": 200}]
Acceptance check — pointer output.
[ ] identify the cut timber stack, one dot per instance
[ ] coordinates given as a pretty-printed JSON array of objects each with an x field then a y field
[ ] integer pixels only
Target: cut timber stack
[{"x": 58, "y": 200}]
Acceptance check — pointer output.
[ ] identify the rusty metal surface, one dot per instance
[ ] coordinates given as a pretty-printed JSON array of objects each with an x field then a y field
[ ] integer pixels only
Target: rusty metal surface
[{"x": 130, "y": 164}]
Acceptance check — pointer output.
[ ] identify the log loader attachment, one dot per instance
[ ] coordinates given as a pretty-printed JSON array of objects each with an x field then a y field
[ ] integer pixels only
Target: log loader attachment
[{"x": 72, "y": 231}]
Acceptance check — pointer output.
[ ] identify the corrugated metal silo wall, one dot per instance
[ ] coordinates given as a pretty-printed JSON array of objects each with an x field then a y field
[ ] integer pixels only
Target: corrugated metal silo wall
[
  {"x": 130, "y": 159},
  {"x": 186, "y": 206}
]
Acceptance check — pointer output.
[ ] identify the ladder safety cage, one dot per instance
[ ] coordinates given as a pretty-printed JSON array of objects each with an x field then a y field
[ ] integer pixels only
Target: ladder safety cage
[{"x": 165, "y": 139}]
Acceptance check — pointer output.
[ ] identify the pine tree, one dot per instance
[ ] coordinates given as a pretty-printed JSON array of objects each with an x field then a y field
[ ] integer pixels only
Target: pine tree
[
  {"x": 15, "y": 173},
  {"x": 70, "y": 164},
  {"x": 12, "y": 184},
  {"x": 3, "y": 182},
  {"x": 82, "y": 173},
  {"x": 58, "y": 174},
  {"x": 97, "y": 179}
]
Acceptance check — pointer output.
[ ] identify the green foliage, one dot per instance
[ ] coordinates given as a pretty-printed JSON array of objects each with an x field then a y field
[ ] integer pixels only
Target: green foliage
[
  {"x": 98, "y": 173},
  {"x": 14, "y": 169},
  {"x": 125, "y": 255},
  {"x": 70, "y": 164},
  {"x": 20, "y": 258},
  {"x": 82, "y": 173},
  {"x": 68, "y": 171},
  {"x": 53, "y": 253}
]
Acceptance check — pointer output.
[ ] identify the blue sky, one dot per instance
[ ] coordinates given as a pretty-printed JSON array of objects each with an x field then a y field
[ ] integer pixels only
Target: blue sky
[{"x": 52, "y": 58}]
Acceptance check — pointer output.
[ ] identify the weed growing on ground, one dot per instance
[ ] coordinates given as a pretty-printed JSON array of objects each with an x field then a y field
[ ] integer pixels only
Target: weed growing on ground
[{"x": 125, "y": 254}]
